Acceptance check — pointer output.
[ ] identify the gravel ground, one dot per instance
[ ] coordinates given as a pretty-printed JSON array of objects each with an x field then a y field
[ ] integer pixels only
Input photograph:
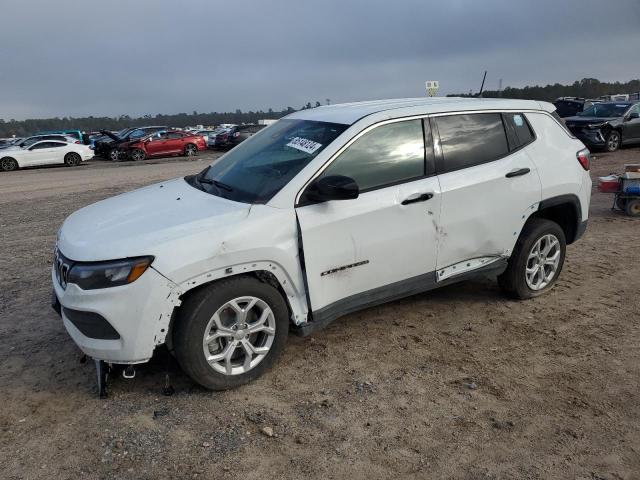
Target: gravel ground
[{"x": 456, "y": 383}]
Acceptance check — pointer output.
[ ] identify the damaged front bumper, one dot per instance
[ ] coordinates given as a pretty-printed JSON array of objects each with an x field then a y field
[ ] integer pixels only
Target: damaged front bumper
[{"x": 119, "y": 324}]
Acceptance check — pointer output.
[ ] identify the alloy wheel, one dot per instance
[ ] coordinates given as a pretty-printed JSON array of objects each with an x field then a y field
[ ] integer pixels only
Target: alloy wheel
[
  {"x": 190, "y": 150},
  {"x": 543, "y": 262},
  {"x": 613, "y": 141},
  {"x": 137, "y": 155},
  {"x": 8, "y": 164},
  {"x": 239, "y": 335}
]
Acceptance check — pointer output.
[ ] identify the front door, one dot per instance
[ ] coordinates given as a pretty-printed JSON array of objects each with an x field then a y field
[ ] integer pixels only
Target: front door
[
  {"x": 381, "y": 245},
  {"x": 631, "y": 132},
  {"x": 489, "y": 186}
]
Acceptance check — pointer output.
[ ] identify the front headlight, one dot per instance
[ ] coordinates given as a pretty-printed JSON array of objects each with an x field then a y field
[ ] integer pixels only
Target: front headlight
[
  {"x": 595, "y": 125},
  {"x": 112, "y": 273}
]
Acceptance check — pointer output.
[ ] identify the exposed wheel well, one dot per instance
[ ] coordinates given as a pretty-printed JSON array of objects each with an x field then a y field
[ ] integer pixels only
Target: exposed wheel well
[
  {"x": 565, "y": 213},
  {"x": 262, "y": 275}
]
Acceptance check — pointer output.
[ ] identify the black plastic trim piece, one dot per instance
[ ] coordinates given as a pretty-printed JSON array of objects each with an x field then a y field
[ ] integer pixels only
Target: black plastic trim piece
[
  {"x": 581, "y": 229},
  {"x": 388, "y": 293},
  {"x": 563, "y": 199},
  {"x": 91, "y": 324}
]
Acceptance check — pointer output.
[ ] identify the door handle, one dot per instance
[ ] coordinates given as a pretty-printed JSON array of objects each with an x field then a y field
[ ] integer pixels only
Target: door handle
[
  {"x": 419, "y": 198},
  {"x": 517, "y": 172}
]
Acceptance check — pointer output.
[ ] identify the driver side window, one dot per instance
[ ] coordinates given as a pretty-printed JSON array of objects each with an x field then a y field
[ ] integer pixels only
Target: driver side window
[{"x": 387, "y": 155}]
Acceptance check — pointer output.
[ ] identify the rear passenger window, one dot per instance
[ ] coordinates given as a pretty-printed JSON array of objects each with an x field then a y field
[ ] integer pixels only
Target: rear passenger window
[
  {"x": 519, "y": 131},
  {"x": 468, "y": 140},
  {"x": 386, "y": 155}
]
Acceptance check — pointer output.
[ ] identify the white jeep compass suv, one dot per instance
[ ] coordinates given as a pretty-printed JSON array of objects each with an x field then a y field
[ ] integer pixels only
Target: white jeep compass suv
[{"x": 328, "y": 211}]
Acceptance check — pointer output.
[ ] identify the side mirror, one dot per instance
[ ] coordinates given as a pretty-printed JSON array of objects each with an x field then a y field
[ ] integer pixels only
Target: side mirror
[
  {"x": 333, "y": 187},
  {"x": 633, "y": 115}
]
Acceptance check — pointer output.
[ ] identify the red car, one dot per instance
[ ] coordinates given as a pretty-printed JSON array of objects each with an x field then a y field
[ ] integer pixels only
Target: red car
[{"x": 172, "y": 142}]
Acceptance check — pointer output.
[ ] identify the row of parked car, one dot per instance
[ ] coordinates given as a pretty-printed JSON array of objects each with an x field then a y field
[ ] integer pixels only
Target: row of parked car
[
  {"x": 153, "y": 141},
  {"x": 71, "y": 147},
  {"x": 604, "y": 125}
]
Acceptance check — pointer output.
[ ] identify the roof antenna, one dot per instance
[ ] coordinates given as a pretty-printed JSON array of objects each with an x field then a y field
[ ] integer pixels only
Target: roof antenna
[{"x": 482, "y": 86}]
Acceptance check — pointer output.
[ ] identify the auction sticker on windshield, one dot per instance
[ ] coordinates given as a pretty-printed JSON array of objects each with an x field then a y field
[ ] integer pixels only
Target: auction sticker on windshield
[{"x": 307, "y": 146}]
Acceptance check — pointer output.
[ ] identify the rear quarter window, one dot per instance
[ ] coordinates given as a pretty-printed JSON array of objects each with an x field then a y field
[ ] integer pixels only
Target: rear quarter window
[{"x": 519, "y": 132}]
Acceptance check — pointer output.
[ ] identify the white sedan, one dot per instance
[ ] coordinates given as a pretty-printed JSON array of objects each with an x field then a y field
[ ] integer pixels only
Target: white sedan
[{"x": 47, "y": 152}]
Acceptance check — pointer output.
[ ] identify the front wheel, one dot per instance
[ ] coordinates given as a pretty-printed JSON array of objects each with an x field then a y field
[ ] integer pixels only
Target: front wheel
[
  {"x": 190, "y": 150},
  {"x": 612, "y": 140},
  {"x": 137, "y": 155},
  {"x": 8, "y": 164},
  {"x": 230, "y": 333},
  {"x": 536, "y": 261},
  {"x": 72, "y": 159}
]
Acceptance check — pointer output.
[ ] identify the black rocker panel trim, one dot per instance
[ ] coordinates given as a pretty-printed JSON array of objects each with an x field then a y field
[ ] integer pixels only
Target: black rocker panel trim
[{"x": 387, "y": 293}]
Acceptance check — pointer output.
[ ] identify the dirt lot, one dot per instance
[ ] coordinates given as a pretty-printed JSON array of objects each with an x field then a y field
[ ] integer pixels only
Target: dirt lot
[{"x": 456, "y": 383}]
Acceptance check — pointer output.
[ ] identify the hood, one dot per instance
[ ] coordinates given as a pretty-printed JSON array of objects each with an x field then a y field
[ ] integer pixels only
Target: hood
[
  {"x": 10, "y": 147},
  {"x": 111, "y": 135},
  {"x": 587, "y": 120},
  {"x": 156, "y": 220}
]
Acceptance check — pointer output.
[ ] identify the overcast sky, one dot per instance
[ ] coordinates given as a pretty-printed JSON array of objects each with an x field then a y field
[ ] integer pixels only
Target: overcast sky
[{"x": 76, "y": 58}]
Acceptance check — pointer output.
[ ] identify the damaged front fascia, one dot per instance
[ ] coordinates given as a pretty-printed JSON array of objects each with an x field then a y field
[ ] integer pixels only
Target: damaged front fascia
[{"x": 172, "y": 301}]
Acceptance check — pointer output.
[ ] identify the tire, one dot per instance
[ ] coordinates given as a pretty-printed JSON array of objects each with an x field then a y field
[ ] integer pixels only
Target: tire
[
  {"x": 612, "y": 141},
  {"x": 190, "y": 150},
  {"x": 519, "y": 281},
  {"x": 621, "y": 203},
  {"x": 8, "y": 164},
  {"x": 633, "y": 207},
  {"x": 137, "y": 155},
  {"x": 209, "y": 308},
  {"x": 113, "y": 155},
  {"x": 72, "y": 159}
]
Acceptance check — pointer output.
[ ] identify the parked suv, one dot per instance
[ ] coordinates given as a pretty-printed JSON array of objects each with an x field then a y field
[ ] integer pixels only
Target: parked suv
[
  {"x": 229, "y": 138},
  {"x": 569, "y": 106},
  {"x": 326, "y": 212},
  {"x": 607, "y": 125}
]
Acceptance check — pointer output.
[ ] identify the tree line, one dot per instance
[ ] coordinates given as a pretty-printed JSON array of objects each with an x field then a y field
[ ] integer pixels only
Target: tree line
[
  {"x": 21, "y": 128},
  {"x": 586, "y": 88}
]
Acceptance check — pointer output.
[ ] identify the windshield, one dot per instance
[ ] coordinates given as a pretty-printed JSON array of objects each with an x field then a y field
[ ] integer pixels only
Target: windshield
[
  {"x": 603, "y": 110},
  {"x": 255, "y": 170},
  {"x": 27, "y": 142}
]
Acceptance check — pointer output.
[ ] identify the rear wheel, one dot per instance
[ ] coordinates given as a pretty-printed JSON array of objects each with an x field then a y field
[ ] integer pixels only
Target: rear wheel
[
  {"x": 137, "y": 155},
  {"x": 612, "y": 140},
  {"x": 536, "y": 261},
  {"x": 8, "y": 164},
  {"x": 633, "y": 207},
  {"x": 72, "y": 159},
  {"x": 231, "y": 332},
  {"x": 190, "y": 150}
]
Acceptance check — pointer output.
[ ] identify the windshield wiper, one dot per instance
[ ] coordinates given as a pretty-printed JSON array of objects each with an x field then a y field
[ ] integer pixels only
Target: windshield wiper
[
  {"x": 221, "y": 185},
  {"x": 202, "y": 179}
]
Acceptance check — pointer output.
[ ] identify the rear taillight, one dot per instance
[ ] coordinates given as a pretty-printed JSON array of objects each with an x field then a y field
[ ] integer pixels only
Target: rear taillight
[
  {"x": 77, "y": 141},
  {"x": 584, "y": 157}
]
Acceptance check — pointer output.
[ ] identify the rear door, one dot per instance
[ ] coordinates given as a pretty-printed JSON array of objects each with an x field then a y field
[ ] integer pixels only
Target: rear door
[
  {"x": 363, "y": 251},
  {"x": 489, "y": 184},
  {"x": 174, "y": 143}
]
